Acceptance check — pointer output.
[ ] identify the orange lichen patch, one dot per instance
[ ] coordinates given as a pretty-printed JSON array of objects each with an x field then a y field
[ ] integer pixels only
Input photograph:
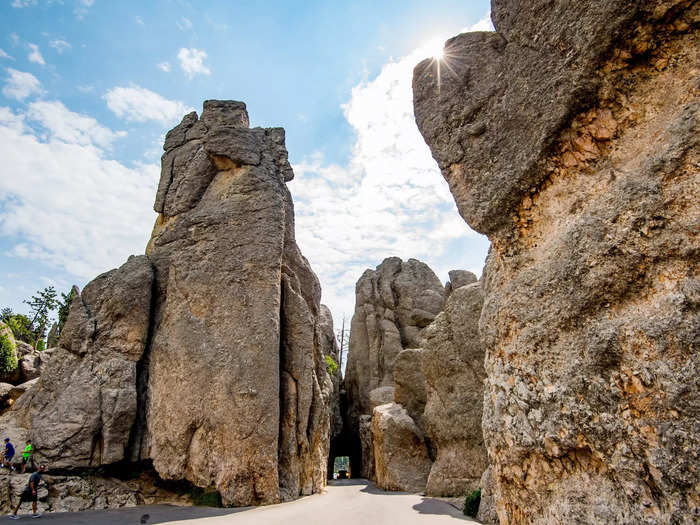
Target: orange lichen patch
[{"x": 162, "y": 223}]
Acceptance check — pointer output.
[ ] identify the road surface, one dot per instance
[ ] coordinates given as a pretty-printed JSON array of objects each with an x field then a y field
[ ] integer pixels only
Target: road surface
[{"x": 346, "y": 502}]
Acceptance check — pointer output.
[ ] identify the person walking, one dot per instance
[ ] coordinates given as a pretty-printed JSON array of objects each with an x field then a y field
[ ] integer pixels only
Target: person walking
[
  {"x": 27, "y": 455},
  {"x": 8, "y": 455},
  {"x": 30, "y": 493}
]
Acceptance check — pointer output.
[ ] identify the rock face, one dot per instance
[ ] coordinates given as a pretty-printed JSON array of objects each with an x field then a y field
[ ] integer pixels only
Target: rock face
[
  {"x": 206, "y": 356},
  {"x": 453, "y": 366},
  {"x": 83, "y": 408},
  {"x": 392, "y": 306},
  {"x": 570, "y": 138},
  {"x": 400, "y": 453}
]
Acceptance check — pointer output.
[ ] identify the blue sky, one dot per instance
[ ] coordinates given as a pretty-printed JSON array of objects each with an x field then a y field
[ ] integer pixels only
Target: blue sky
[{"x": 88, "y": 89}]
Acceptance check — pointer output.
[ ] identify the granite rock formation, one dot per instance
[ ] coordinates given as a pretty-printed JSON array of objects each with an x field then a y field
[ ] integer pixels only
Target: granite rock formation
[
  {"x": 206, "y": 355},
  {"x": 393, "y": 304},
  {"x": 453, "y": 369},
  {"x": 83, "y": 407},
  {"x": 400, "y": 454},
  {"x": 570, "y": 137}
]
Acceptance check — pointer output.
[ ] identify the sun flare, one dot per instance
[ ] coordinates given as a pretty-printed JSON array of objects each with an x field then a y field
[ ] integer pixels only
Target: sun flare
[{"x": 434, "y": 48}]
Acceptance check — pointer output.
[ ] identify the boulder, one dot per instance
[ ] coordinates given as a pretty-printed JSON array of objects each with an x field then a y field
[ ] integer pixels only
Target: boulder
[
  {"x": 381, "y": 396},
  {"x": 400, "y": 453},
  {"x": 458, "y": 278},
  {"x": 31, "y": 364},
  {"x": 453, "y": 366},
  {"x": 570, "y": 137}
]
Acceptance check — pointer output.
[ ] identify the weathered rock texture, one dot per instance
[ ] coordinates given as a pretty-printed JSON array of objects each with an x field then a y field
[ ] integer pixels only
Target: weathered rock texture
[
  {"x": 206, "y": 355},
  {"x": 453, "y": 366},
  {"x": 400, "y": 453},
  {"x": 570, "y": 138},
  {"x": 393, "y": 304},
  {"x": 84, "y": 405}
]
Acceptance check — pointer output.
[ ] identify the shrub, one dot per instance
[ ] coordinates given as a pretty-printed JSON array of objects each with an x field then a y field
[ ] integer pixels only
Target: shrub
[
  {"x": 331, "y": 365},
  {"x": 471, "y": 503},
  {"x": 8, "y": 359}
]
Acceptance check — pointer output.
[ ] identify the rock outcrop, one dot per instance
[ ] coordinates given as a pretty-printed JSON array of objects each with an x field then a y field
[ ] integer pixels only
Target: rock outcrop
[
  {"x": 570, "y": 138},
  {"x": 400, "y": 454},
  {"x": 393, "y": 304},
  {"x": 206, "y": 355},
  {"x": 453, "y": 367}
]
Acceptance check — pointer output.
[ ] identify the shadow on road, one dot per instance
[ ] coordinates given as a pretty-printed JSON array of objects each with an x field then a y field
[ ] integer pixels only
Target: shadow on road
[
  {"x": 147, "y": 514},
  {"x": 439, "y": 507}
]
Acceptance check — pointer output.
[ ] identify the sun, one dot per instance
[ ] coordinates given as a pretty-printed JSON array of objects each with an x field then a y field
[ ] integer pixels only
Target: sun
[{"x": 434, "y": 48}]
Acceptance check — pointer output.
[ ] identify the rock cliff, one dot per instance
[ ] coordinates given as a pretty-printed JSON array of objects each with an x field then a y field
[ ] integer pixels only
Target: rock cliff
[
  {"x": 570, "y": 138},
  {"x": 206, "y": 356}
]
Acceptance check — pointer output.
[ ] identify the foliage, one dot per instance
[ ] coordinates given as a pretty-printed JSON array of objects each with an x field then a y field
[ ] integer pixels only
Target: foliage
[
  {"x": 471, "y": 503},
  {"x": 331, "y": 365},
  {"x": 20, "y": 325},
  {"x": 8, "y": 359},
  {"x": 41, "y": 304},
  {"x": 5, "y": 314},
  {"x": 64, "y": 308},
  {"x": 205, "y": 498}
]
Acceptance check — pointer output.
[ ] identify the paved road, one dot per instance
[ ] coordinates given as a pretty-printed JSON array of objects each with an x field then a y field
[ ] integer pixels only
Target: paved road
[{"x": 344, "y": 503}]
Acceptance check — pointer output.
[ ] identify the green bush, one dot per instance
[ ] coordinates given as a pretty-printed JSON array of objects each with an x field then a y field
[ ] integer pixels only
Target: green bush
[
  {"x": 471, "y": 503},
  {"x": 8, "y": 359},
  {"x": 331, "y": 365}
]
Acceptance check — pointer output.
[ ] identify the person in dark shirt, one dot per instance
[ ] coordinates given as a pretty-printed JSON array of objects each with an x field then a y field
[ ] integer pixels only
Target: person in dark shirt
[
  {"x": 8, "y": 455},
  {"x": 30, "y": 493}
]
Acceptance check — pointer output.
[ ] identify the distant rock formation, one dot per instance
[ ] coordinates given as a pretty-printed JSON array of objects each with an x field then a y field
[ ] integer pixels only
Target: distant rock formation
[
  {"x": 393, "y": 304},
  {"x": 570, "y": 137},
  {"x": 417, "y": 399},
  {"x": 206, "y": 356}
]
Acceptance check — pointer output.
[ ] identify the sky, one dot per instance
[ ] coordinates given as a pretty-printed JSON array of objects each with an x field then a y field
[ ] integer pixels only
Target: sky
[{"x": 88, "y": 89}]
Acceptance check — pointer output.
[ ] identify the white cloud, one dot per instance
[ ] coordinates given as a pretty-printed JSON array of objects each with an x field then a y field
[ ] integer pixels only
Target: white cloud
[
  {"x": 164, "y": 66},
  {"x": 14, "y": 38},
  {"x": 139, "y": 104},
  {"x": 184, "y": 24},
  {"x": 71, "y": 204},
  {"x": 390, "y": 199},
  {"x": 59, "y": 45},
  {"x": 139, "y": 20},
  {"x": 20, "y": 85},
  {"x": 5, "y": 55},
  {"x": 85, "y": 89},
  {"x": 63, "y": 125},
  {"x": 23, "y": 3},
  {"x": 81, "y": 9},
  {"x": 35, "y": 55},
  {"x": 192, "y": 61}
]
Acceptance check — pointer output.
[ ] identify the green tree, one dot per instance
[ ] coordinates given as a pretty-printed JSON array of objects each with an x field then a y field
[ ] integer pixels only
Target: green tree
[
  {"x": 20, "y": 325},
  {"x": 64, "y": 308},
  {"x": 8, "y": 359},
  {"x": 41, "y": 305}
]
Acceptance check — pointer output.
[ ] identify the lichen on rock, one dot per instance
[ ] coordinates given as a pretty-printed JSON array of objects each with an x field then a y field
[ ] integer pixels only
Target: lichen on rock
[{"x": 570, "y": 138}]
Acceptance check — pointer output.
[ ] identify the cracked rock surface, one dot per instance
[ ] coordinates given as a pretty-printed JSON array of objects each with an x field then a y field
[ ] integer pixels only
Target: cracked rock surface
[
  {"x": 206, "y": 355},
  {"x": 570, "y": 137}
]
